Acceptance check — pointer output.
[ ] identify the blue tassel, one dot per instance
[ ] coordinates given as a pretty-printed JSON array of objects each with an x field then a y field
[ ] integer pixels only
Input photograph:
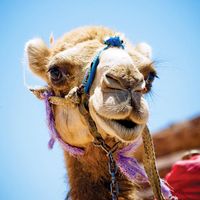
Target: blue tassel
[{"x": 114, "y": 42}]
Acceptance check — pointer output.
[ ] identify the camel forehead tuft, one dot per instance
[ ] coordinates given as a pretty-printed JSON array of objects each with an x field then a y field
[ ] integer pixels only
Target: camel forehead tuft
[
  {"x": 81, "y": 53},
  {"x": 81, "y": 35}
]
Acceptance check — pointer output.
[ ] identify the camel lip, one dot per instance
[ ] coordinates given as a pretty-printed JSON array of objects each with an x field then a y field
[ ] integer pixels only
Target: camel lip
[
  {"x": 127, "y": 123},
  {"x": 123, "y": 126},
  {"x": 124, "y": 129}
]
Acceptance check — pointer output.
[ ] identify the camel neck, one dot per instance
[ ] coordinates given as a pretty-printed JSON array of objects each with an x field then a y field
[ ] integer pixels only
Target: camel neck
[{"x": 89, "y": 178}]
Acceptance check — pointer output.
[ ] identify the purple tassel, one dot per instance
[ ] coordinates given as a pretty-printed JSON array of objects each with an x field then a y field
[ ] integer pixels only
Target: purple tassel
[
  {"x": 74, "y": 151},
  {"x": 51, "y": 143},
  {"x": 129, "y": 166},
  {"x": 132, "y": 169},
  {"x": 166, "y": 191}
]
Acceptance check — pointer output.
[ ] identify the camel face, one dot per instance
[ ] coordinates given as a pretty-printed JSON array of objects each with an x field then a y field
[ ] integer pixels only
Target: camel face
[{"x": 116, "y": 102}]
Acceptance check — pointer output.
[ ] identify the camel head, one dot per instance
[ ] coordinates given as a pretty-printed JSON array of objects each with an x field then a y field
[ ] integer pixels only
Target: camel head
[{"x": 116, "y": 97}]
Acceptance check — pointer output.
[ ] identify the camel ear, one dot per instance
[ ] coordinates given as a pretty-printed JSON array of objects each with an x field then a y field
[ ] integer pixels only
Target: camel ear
[
  {"x": 144, "y": 49},
  {"x": 37, "y": 53}
]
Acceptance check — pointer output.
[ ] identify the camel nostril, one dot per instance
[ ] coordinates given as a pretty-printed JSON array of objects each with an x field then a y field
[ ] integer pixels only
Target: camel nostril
[
  {"x": 143, "y": 91},
  {"x": 112, "y": 77},
  {"x": 140, "y": 87},
  {"x": 110, "y": 81},
  {"x": 132, "y": 81}
]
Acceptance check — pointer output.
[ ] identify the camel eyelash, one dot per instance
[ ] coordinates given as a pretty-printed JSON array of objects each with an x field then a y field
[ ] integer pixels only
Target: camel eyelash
[
  {"x": 151, "y": 76},
  {"x": 149, "y": 80}
]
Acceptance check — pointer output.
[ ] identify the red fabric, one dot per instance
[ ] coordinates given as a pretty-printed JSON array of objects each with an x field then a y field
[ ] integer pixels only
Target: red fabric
[{"x": 184, "y": 178}]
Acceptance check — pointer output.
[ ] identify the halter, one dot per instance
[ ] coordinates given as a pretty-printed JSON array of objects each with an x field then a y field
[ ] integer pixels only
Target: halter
[
  {"x": 90, "y": 74},
  {"x": 128, "y": 165}
]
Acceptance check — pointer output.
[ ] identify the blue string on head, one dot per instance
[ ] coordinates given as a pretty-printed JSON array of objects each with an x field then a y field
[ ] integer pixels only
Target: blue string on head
[
  {"x": 115, "y": 41},
  {"x": 90, "y": 74}
]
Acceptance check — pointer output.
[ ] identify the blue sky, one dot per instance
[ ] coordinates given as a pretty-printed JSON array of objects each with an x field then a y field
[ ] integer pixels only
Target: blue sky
[{"x": 28, "y": 170}]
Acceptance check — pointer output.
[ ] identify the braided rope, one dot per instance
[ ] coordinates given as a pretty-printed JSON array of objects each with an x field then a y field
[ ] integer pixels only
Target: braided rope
[{"x": 157, "y": 184}]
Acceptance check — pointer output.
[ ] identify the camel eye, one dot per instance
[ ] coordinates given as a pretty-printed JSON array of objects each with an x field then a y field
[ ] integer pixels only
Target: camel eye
[
  {"x": 149, "y": 80},
  {"x": 55, "y": 73},
  {"x": 151, "y": 77}
]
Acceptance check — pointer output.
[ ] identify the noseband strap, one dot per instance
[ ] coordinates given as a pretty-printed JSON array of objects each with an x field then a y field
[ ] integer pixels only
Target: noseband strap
[{"x": 90, "y": 74}]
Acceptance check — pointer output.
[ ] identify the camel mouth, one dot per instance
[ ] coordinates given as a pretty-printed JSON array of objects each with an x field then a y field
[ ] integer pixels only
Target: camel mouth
[
  {"x": 125, "y": 130},
  {"x": 117, "y": 114},
  {"x": 127, "y": 123}
]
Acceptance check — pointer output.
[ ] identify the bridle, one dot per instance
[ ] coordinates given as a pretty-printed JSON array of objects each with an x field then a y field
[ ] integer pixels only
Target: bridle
[
  {"x": 128, "y": 166},
  {"x": 90, "y": 73}
]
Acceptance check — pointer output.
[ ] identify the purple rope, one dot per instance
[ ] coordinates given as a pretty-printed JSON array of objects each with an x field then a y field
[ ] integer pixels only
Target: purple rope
[
  {"x": 132, "y": 169},
  {"x": 129, "y": 166},
  {"x": 74, "y": 151}
]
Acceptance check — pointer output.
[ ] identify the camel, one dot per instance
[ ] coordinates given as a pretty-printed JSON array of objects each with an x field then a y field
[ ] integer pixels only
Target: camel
[{"x": 115, "y": 106}]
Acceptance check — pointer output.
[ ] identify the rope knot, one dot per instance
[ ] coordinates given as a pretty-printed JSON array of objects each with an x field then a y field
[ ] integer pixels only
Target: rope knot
[{"x": 115, "y": 41}]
